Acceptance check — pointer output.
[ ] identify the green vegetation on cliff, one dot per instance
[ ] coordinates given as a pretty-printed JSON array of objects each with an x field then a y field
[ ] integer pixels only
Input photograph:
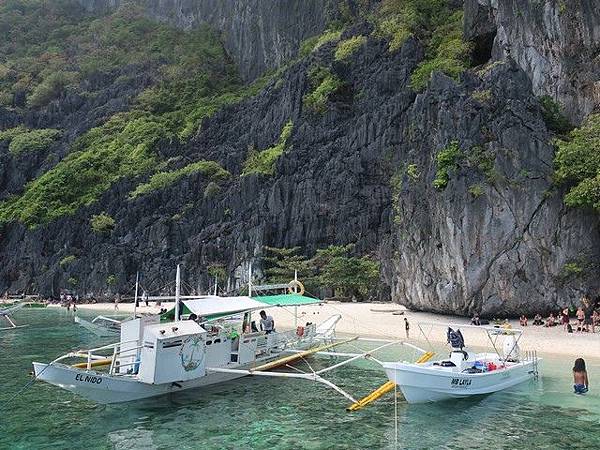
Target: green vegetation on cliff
[
  {"x": 102, "y": 223},
  {"x": 348, "y": 47},
  {"x": 191, "y": 79},
  {"x": 263, "y": 162},
  {"x": 446, "y": 52},
  {"x": 577, "y": 164},
  {"x": 21, "y": 140},
  {"x": 436, "y": 23},
  {"x": 123, "y": 147},
  {"x": 324, "y": 84},
  {"x": 447, "y": 162},
  {"x": 212, "y": 170}
]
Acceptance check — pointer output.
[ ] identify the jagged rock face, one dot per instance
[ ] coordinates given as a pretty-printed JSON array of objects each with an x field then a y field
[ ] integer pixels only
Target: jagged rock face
[
  {"x": 502, "y": 252},
  {"x": 557, "y": 43},
  {"x": 498, "y": 250},
  {"x": 258, "y": 34},
  {"x": 494, "y": 241},
  {"x": 74, "y": 114}
]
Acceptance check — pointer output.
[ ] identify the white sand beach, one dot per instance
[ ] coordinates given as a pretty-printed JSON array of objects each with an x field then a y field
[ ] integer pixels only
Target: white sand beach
[{"x": 376, "y": 320}]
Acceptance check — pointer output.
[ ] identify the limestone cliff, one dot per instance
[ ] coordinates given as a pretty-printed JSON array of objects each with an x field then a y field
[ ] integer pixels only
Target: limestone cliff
[
  {"x": 258, "y": 34},
  {"x": 556, "y": 42},
  {"x": 494, "y": 237}
]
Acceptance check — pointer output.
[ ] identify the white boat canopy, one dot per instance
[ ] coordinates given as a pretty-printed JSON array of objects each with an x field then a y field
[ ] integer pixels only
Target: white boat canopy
[{"x": 213, "y": 305}]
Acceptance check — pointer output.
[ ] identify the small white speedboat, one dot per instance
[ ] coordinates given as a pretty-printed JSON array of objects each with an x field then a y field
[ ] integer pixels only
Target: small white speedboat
[{"x": 465, "y": 373}]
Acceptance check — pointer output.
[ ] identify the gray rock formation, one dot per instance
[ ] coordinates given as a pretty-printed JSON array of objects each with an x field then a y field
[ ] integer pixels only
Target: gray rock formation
[
  {"x": 258, "y": 34},
  {"x": 497, "y": 240},
  {"x": 556, "y": 42}
]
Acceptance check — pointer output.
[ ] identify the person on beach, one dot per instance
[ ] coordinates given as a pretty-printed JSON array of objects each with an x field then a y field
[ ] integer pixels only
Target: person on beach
[
  {"x": 580, "y": 377},
  {"x": 475, "y": 320},
  {"x": 406, "y": 327},
  {"x": 551, "y": 321},
  {"x": 589, "y": 322},
  {"x": 537, "y": 320},
  {"x": 523, "y": 320},
  {"x": 580, "y": 318},
  {"x": 117, "y": 300},
  {"x": 145, "y": 297},
  {"x": 564, "y": 318}
]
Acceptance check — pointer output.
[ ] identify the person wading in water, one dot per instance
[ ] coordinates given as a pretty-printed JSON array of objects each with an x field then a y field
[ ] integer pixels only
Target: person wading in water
[{"x": 580, "y": 377}]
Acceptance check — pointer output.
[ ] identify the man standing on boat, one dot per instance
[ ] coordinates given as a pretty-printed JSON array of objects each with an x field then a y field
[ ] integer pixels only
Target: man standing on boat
[{"x": 267, "y": 324}]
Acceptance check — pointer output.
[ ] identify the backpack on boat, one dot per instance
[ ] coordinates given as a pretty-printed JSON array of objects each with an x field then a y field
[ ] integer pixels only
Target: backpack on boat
[{"x": 455, "y": 338}]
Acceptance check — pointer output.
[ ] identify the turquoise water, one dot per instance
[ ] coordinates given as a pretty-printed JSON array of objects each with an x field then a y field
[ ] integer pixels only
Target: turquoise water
[{"x": 260, "y": 413}]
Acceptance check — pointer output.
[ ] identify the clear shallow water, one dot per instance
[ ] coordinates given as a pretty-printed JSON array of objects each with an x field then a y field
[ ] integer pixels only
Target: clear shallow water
[{"x": 260, "y": 413}]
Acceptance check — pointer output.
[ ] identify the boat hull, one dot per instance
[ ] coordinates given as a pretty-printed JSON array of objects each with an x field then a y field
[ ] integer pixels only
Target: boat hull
[
  {"x": 103, "y": 388},
  {"x": 420, "y": 384}
]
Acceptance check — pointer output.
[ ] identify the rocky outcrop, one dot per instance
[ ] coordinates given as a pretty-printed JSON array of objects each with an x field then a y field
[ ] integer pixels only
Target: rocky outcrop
[
  {"x": 556, "y": 42},
  {"x": 497, "y": 239},
  {"x": 258, "y": 34},
  {"x": 500, "y": 248}
]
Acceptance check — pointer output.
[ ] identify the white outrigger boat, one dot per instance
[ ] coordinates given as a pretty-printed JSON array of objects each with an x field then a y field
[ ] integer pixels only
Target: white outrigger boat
[
  {"x": 6, "y": 313},
  {"x": 465, "y": 373},
  {"x": 101, "y": 326},
  {"x": 153, "y": 358}
]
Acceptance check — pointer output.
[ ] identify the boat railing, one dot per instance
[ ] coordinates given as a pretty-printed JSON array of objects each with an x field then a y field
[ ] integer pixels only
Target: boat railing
[
  {"x": 284, "y": 338},
  {"x": 91, "y": 355}
]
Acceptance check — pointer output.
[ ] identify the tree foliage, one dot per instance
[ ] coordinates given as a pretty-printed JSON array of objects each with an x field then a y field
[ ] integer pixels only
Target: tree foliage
[
  {"x": 190, "y": 77},
  {"x": 324, "y": 85},
  {"x": 348, "y": 47},
  {"x": 577, "y": 164},
  {"x": 22, "y": 140},
  {"x": 333, "y": 267},
  {"x": 102, "y": 223},
  {"x": 447, "y": 162},
  {"x": 553, "y": 116}
]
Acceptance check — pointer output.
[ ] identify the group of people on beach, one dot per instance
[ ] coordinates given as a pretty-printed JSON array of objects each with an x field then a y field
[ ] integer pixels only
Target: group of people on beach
[{"x": 586, "y": 318}]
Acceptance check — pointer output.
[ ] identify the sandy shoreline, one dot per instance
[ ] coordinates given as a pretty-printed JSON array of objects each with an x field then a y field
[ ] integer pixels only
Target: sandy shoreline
[{"x": 376, "y": 320}]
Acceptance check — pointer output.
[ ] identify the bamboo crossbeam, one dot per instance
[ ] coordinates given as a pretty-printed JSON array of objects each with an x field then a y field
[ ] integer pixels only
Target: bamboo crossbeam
[{"x": 297, "y": 356}]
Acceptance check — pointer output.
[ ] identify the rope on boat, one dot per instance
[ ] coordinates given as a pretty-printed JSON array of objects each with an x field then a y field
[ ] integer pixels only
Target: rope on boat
[{"x": 26, "y": 386}]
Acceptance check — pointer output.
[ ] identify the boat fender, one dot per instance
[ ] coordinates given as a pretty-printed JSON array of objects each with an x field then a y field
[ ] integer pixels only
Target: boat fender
[{"x": 300, "y": 331}]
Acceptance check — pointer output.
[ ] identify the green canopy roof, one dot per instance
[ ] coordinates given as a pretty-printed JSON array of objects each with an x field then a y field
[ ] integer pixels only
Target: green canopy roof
[
  {"x": 287, "y": 300},
  {"x": 267, "y": 300}
]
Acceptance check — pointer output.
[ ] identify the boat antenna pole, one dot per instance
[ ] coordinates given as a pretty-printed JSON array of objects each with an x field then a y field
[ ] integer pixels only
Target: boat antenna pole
[
  {"x": 177, "y": 287},
  {"x": 137, "y": 283},
  {"x": 295, "y": 292},
  {"x": 250, "y": 280},
  {"x": 216, "y": 285}
]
